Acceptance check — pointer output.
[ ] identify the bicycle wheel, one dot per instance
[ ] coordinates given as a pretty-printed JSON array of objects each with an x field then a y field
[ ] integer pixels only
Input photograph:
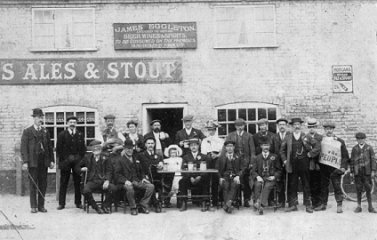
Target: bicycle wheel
[{"x": 348, "y": 187}]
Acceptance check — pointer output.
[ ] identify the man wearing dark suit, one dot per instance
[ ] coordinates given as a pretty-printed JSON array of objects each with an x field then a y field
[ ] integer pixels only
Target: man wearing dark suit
[
  {"x": 294, "y": 153},
  {"x": 70, "y": 148},
  {"x": 110, "y": 131},
  {"x": 134, "y": 136},
  {"x": 129, "y": 176},
  {"x": 200, "y": 182},
  {"x": 230, "y": 169},
  {"x": 245, "y": 149},
  {"x": 280, "y": 137},
  {"x": 99, "y": 170},
  {"x": 37, "y": 156},
  {"x": 162, "y": 139},
  {"x": 264, "y": 133},
  {"x": 188, "y": 132}
]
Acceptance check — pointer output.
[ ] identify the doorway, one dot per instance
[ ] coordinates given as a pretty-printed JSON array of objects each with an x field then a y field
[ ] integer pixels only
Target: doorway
[{"x": 170, "y": 115}]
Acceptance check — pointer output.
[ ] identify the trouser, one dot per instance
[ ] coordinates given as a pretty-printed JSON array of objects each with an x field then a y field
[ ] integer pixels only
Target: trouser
[
  {"x": 246, "y": 186},
  {"x": 293, "y": 180},
  {"x": 329, "y": 173},
  {"x": 281, "y": 187},
  {"x": 262, "y": 193},
  {"x": 137, "y": 186},
  {"x": 315, "y": 187},
  {"x": 39, "y": 175},
  {"x": 65, "y": 173},
  {"x": 165, "y": 186},
  {"x": 215, "y": 189},
  {"x": 92, "y": 186},
  {"x": 201, "y": 187},
  {"x": 362, "y": 182},
  {"x": 230, "y": 189}
]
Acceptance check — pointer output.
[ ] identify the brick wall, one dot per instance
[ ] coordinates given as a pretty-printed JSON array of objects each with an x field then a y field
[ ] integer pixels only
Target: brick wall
[{"x": 312, "y": 36}]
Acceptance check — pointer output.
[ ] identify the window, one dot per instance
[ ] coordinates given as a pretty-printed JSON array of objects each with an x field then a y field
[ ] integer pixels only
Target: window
[
  {"x": 63, "y": 29},
  {"x": 245, "y": 26},
  {"x": 250, "y": 112},
  {"x": 55, "y": 121}
]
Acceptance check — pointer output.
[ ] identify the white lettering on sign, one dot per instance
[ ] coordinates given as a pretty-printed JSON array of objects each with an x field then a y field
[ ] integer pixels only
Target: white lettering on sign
[
  {"x": 30, "y": 72},
  {"x": 8, "y": 73},
  {"x": 330, "y": 152},
  {"x": 69, "y": 67}
]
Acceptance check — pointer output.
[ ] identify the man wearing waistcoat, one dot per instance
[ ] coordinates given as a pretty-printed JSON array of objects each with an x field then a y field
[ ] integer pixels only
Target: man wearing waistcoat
[
  {"x": 37, "y": 156},
  {"x": 110, "y": 131},
  {"x": 183, "y": 136},
  {"x": 161, "y": 138},
  {"x": 70, "y": 149}
]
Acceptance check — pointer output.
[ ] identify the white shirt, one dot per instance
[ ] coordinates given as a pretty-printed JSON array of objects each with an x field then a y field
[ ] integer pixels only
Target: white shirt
[
  {"x": 297, "y": 135},
  {"x": 134, "y": 137},
  {"x": 265, "y": 155},
  {"x": 195, "y": 154},
  {"x": 188, "y": 131},
  {"x": 37, "y": 128},
  {"x": 158, "y": 142},
  {"x": 240, "y": 133},
  {"x": 72, "y": 132},
  {"x": 282, "y": 135},
  {"x": 211, "y": 144},
  {"x": 361, "y": 146},
  {"x": 229, "y": 156}
]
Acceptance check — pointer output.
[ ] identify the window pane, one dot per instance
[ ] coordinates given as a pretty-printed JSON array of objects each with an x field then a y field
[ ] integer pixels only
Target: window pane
[
  {"x": 231, "y": 114},
  {"x": 82, "y": 130},
  {"x": 251, "y": 114},
  {"x": 80, "y": 117},
  {"x": 60, "y": 118},
  {"x": 49, "y": 120},
  {"x": 262, "y": 113},
  {"x": 231, "y": 127},
  {"x": 272, "y": 127},
  {"x": 88, "y": 141},
  {"x": 222, "y": 130},
  {"x": 272, "y": 114},
  {"x": 252, "y": 128},
  {"x": 221, "y": 115},
  {"x": 90, "y": 132},
  {"x": 90, "y": 117},
  {"x": 242, "y": 113},
  {"x": 68, "y": 114}
]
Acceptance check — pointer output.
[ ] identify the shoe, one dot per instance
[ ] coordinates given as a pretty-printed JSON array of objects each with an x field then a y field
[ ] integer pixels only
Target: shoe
[
  {"x": 166, "y": 205},
  {"x": 372, "y": 210},
  {"x": 358, "y": 210},
  {"x": 79, "y": 205},
  {"x": 309, "y": 209},
  {"x": 158, "y": 208},
  {"x": 281, "y": 205},
  {"x": 183, "y": 206},
  {"x": 60, "y": 207},
  {"x": 339, "y": 209},
  {"x": 320, "y": 208},
  {"x": 34, "y": 210},
  {"x": 106, "y": 210},
  {"x": 246, "y": 204},
  {"x": 260, "y": 211},
  {"x": 230, "y": 209},
  {"x": 134, "y": 211},
  {"x": 98, "y": 210},
  {"x": 225, "y": 207},
  {"x": 42, "y": 209},
  {"x": 143, "y": 210},
  {"x": 291, "y": 209},
  {"x": 204, "y": 207}
]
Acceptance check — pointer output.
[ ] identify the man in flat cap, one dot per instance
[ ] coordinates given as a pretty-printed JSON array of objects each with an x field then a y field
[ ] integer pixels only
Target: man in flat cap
[
  {"x": 162, "y": 139},
  {"x": 245, "y": 149},
  {"x": 99, "y": 170},
  {"x": 264, "y": 133},
  {"x": 188, "y": 132},
  {"x": 332, "y": 147},
  {"x": 294, "y": 154},
  {"x": 230, "y": 170},
  {"x": 134, "y": 136},
  {"x": 70, "y": 149},
  {"x": 280, "y": 137},
  {"x": 110, "y": 131},
  {"x": 363, "y": 167},
  {"x": 37, "y": 156},
  {"x": 199, "y": 181}
]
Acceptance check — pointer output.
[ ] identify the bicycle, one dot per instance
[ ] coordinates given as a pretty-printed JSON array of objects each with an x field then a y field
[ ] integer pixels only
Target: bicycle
[{"x": 347, "y": 184}]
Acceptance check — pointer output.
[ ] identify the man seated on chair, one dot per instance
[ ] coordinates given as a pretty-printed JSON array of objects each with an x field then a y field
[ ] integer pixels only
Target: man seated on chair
[
  {"x": 99, "y": 170},
  {"x": 150, "y": 162},
  {"x": 230, "y": 169},
  {"x": 198, "y": 181},
  {"x": 265, "y": 173},
  {"x": 130, "y": 177}
]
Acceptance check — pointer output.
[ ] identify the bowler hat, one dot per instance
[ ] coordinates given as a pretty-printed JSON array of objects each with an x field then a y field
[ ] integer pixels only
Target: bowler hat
[
  {"x": 263, "y": 121},
  {"x": 150, "y": 137},
  {"x": 193, "y": 140},
  {"x": 128, "y": 143},
  {"x": 37, "y": 112},
  {"x": 109, "y": 116},
  {"x": 211, "y": 124},
  {"x": 294, "y": 120},
  {"x": 360, "y": 135},
  {"x": 239, "y": 122},
  {"x": 131, "y": 122},
  {"x": 154, "y": 121},
  {"x": 329, "y": 125},
  {"x": 229, "y": 142},
  {"x": 188, "y": 118},
  {"x": 264, "y": 141},
  {"x": 72, "y": 118},
  {"x": 281, "y": 120}
]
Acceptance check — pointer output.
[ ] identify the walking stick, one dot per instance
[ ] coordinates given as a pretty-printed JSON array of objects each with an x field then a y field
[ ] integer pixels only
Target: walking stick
[
  {"x": 286, "y": 187},
  {"x": 13, "y": 226},
  {"x": 35, "y": 184}
]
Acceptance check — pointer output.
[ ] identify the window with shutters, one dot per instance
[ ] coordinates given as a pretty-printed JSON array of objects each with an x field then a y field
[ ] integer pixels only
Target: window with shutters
[
  {"x": 63, "y": 29},
  {"x": 250, "y": 26},
  {"x": 250, "y": 112}
]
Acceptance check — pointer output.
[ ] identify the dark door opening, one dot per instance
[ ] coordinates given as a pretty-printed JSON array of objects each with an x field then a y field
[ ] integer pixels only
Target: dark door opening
[{"x": 171, "y": 119}]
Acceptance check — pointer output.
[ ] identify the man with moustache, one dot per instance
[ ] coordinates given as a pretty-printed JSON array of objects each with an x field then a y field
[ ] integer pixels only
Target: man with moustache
[
  {"x": 70, "y": 149},
  {"x": 264, "y": 134},
  {"x": 162, "y": 139},
  {"x": 110, "y": 131},
  {"x": 37, "y": 156},
  {"x": 183, "y": 136}
]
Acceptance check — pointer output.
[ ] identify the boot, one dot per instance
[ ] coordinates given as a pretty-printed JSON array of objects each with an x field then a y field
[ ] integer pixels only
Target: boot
[
  {"x": 370, "y": 206},
  {"x": 321, "y": 207},
  {"x": 246, "y": 203},
  {"x": 358, "y": 209},
  {"x": 204, "y": 207},
  {"x": 291, "y": 208},
  {"x": 339, "y": 208},
  {"x": 183, "y": 206}
]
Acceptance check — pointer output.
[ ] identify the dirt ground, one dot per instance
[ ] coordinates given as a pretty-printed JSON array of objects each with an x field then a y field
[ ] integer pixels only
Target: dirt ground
[{"x": 72, "y": 223}]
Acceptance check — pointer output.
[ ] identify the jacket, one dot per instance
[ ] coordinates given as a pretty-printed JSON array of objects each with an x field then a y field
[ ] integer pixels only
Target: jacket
[{"x": 368, "y": 156}]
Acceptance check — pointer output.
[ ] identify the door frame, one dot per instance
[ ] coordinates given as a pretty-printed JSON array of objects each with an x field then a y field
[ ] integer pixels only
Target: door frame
[{"x": 146, "y": 106}]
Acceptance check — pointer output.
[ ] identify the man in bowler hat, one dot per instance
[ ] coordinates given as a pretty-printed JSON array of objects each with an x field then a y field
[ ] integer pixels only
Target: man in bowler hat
[
  {"x": 183, "y": 136},
  {"x": 37, "y": 156}
]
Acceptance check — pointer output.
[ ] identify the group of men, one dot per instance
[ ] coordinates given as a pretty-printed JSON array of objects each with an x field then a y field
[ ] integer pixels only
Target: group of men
[{"x": 128, "y": 164}]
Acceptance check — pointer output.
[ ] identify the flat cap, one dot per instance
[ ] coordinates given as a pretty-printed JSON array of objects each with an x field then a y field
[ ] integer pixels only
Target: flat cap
[
  {"x": 148, "y": 138},
  {"x": 193, "y": 140},
  {"x": 188, "y": 118},
  {"x": 131, "y": 122},
  {"x": 109, "y": 116},
  {"x": 154, "y": 121},
  {"x": 294, "y": 120},
  {"x": 72, "y": 118},
  {"x": 239, "y": 122},
  {"x": 329, "y": 125},
  {"x": 263, "y": 121},
  {"x": 229, "y": 142},
  {"x": 360, "y": 135},
  {"x": 281, "y": 120},
  {"x": 128, "y": 143}
]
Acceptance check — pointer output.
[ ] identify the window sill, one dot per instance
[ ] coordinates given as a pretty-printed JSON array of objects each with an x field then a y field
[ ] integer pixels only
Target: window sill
[
  {"x": 64, "y": 50},
  {"x": 232, "y": 47}
]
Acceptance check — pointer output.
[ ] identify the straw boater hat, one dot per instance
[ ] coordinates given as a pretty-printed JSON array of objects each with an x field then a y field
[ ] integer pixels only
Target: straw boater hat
[
  {"x": 312, "y": 122},
  {"x": 212, "y": 124},
  {"x": 173, "y": 146}
]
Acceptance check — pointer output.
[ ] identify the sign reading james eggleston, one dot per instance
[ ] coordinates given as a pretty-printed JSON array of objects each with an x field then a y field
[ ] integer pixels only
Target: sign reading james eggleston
[
  {"x": 342, "y": 77},
  {"x": 155, "y": 35},
  {"x": 85, "y": 71}
]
